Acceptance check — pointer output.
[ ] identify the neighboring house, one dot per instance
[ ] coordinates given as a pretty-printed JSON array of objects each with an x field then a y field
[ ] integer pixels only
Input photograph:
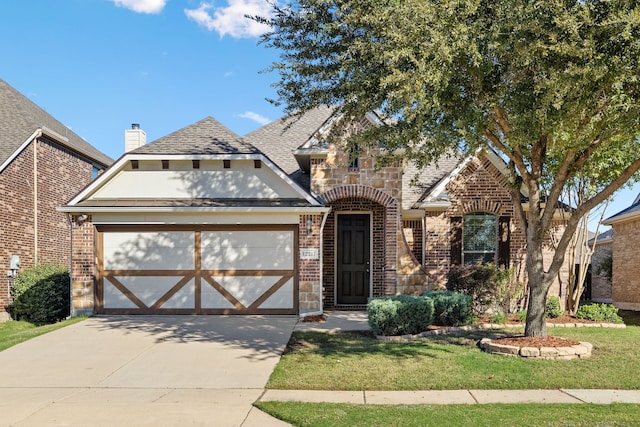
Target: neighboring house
[
  {"x": 600, "y": 290},
  {"x": 42, "y": 165},
  {"x": 625, "y": 282},
  {"x": 279, "y": 221}
]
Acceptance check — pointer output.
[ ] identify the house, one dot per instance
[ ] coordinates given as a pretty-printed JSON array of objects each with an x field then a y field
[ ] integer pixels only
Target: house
[
  {"x": 42, "y": 165},
  {"x": 625, "y": 291},
  {"x": 280, "y": 222},
  {"x": 600, "y": 290}
]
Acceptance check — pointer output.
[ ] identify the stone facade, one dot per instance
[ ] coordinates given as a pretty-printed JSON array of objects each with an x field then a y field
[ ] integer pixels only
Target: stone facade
[
  {"x": 43, "y": 176},
  {"x": 626, "y": 281}
]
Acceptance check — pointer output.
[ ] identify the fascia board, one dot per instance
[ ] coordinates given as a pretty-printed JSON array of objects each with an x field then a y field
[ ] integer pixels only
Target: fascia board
[
  {"x": 622, "y": 218},
  {"x": 19, "y": 150},
  {"x": 96, "y": 209}
]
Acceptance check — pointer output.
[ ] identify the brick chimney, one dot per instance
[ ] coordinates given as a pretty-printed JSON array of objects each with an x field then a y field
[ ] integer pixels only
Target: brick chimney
[{"x": 134, "y": 138}]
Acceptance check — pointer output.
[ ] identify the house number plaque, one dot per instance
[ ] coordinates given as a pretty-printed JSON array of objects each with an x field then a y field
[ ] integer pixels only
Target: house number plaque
[{"x": 309, "y": 253}]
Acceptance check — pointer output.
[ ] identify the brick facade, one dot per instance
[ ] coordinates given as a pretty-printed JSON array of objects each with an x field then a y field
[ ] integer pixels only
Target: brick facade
[
  {"x": 479, "y": 187},
  {"x": 42, "y": 177},
  {"x": 309, "y": 269},
  {"x": 626, "y": 281}
]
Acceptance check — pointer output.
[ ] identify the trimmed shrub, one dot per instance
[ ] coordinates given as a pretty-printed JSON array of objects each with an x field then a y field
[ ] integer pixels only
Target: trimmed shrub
[
  {"x": 41, "y": 294},
  {"x": 553, "y": 310},
  {"x": 491, "y": 288},
  {"x": 400, "y": 315},
  {"x": 599, "y": 313},
  {"x": 450, "y": 308}
]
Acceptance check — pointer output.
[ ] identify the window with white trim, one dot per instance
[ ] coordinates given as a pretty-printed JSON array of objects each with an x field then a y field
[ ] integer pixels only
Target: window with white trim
[{"x": 479, "y": 238}]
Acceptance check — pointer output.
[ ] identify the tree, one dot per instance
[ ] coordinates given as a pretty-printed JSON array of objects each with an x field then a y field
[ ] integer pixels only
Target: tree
[
  {"x": 581, "y": 247},
  {"x": 550, "y": 85}
]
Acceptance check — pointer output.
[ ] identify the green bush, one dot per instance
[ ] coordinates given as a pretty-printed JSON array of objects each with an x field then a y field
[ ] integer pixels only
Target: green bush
[
  {"x": 41, "y": 294},
  {"x": 400, "y": 315},
  {"x": 552, "y": 309},
  {"x": 499, "y": 317},
  {"x": 490, "y": 287},
  {"x": 522, "y": 315},
  {"x": 451, "y": 308},
  {"x": 599, "y": 312}
]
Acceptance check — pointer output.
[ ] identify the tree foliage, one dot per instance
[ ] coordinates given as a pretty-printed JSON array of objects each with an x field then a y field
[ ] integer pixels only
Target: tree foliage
[{"x": 550, "y": 85}]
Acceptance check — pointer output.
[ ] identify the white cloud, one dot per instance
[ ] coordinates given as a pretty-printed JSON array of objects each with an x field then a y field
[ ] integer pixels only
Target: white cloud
[
  {"x": 142, "y": 6},
  {"x": 255, "y": 117},
  {"x": 231, "y": 19}
]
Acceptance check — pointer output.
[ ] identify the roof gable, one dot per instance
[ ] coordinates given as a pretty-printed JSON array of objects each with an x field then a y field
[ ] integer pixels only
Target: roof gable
[
  {"x": 206, "y": 137},
  {"x": 281, "y": 137},
  {"x": 20, "y": 119}
]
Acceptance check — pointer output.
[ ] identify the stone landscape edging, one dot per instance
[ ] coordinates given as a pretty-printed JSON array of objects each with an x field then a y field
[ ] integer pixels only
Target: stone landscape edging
[{"x": 578, "y": 351}]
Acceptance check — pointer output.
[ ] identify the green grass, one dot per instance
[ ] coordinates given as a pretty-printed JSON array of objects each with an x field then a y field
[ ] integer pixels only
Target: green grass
[
  {"x": 358, "y": 361},
  {"x": 530, "y": 415},
  {"x": 15, "y": 332}
]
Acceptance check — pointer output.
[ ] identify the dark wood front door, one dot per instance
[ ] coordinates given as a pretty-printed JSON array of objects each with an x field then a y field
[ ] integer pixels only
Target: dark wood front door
[{"x": 353, "y": 259}]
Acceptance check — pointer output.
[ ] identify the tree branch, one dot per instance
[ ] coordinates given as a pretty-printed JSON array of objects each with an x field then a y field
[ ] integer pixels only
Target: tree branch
[{"x": 585, "y": 207}]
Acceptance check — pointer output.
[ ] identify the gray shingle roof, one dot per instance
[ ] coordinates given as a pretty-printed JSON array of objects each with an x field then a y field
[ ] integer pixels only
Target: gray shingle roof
[
  {"x": 631, "y": 210},
  {"x": 278, "y": 142},
  {"x": 208, "y": 136},
  {"x": 20, "y": 118},
  {"x": 427, "y": 179}
]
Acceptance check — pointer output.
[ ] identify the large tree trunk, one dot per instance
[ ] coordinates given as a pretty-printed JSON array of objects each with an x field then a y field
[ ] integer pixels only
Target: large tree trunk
[{"x": 539, "y": 284}]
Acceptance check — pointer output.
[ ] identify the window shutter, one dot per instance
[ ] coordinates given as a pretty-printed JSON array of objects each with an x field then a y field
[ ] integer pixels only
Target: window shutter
[
  {"x": 456, "y": 240},
  {"x": 504, "y": 241}
]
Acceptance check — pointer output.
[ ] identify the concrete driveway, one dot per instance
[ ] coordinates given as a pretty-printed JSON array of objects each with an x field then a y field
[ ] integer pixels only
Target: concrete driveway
[{"x": 144, "y": 371}]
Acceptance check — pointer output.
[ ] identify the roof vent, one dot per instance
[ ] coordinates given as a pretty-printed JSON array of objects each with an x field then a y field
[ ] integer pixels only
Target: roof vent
[{"x": 134, "y": 138}]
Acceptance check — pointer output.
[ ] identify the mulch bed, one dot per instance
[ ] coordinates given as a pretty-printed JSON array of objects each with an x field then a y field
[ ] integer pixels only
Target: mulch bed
[{"x": 521, "y": 341}]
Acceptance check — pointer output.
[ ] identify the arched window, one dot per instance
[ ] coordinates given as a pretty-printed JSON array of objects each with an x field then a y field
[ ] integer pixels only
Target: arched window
[{"x": 479, "y": 238}]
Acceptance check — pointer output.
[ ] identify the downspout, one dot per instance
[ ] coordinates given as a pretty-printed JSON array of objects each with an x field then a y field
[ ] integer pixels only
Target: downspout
[
  {"x": 70, "y": 222},
  {"x": 35, "y": 200},
  {"x": 324, "y": 221}
]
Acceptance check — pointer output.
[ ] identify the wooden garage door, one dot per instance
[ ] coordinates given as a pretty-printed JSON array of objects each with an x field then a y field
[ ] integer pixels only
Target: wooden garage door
[{"x": 222, "y": 270}]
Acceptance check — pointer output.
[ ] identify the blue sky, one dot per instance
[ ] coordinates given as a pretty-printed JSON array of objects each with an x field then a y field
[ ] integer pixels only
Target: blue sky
[{"x": 100, "y": 65}]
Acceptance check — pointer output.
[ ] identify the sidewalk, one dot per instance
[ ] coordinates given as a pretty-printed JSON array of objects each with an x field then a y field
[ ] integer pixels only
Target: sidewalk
[
  {"x": 446, "y": 397},
  {"x": 357, "y": 321}
]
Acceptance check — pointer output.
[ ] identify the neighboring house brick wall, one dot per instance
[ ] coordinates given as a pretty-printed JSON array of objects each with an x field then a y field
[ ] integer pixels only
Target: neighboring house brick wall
[
  {"x": 600, "y": 284},
  {"x": 31, "y": 226},
  {"x": 626, "y": 281}
]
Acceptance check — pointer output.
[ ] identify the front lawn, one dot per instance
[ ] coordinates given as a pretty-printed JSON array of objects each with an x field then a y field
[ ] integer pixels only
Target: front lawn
[
  {"x": 358, "y": 361},
  {"x": 15, "y": 332},
  {"x": 530, "y": 415}
]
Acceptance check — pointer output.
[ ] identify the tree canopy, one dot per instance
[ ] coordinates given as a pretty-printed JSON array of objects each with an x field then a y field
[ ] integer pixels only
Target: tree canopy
[{"x": 550, "y": 85}]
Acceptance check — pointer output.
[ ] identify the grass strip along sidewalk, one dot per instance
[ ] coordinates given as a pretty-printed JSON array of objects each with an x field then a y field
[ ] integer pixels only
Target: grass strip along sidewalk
[
  {"x": 530, "y": 415},
  {"x": 357, "y": 361}
]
